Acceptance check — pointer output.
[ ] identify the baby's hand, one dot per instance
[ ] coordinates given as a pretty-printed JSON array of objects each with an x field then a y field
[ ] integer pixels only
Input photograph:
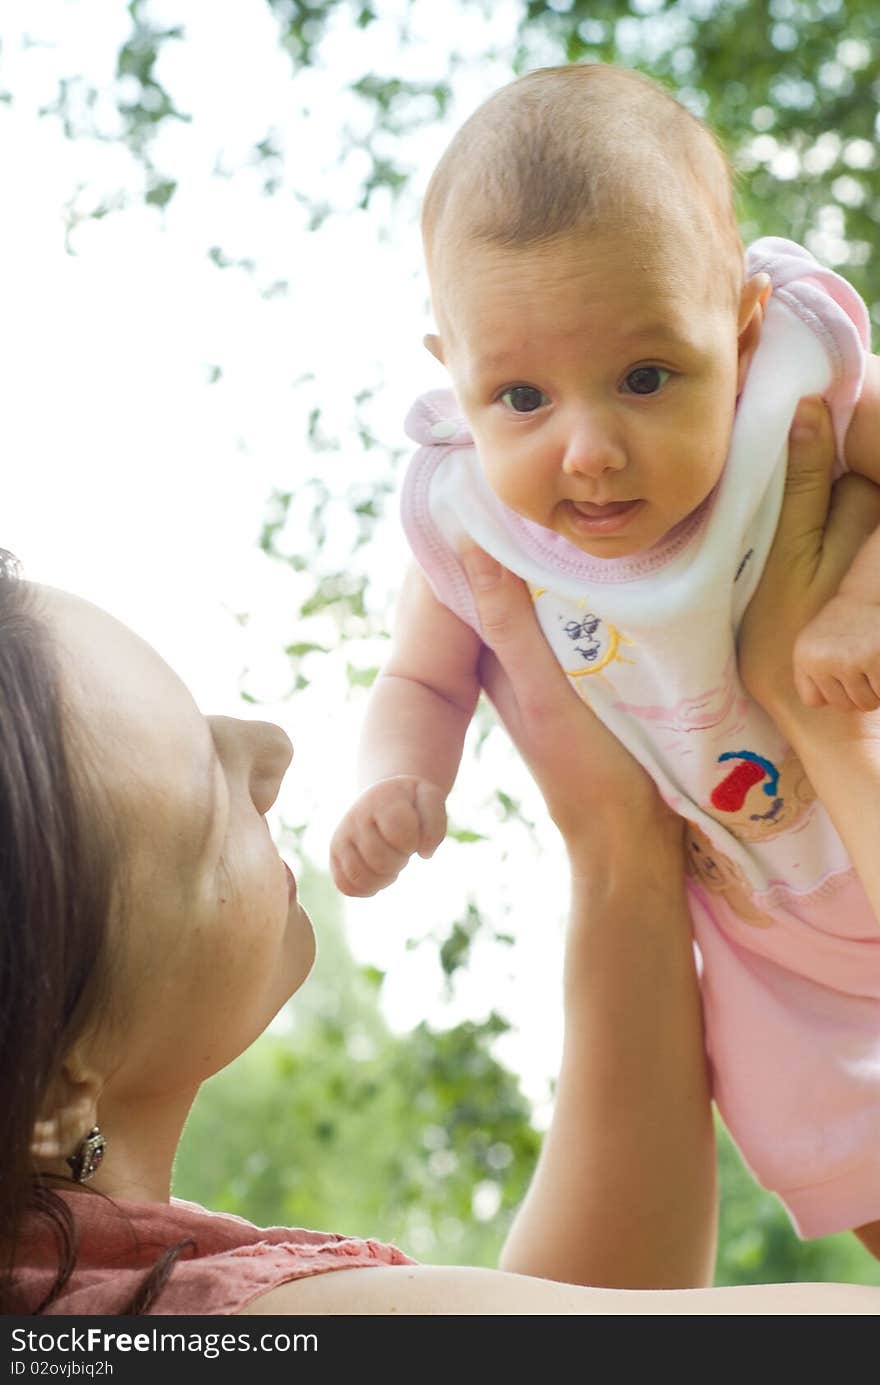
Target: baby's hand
[
  {"x": 390, "y": 822},
  {"x": 837, "y": 656}
]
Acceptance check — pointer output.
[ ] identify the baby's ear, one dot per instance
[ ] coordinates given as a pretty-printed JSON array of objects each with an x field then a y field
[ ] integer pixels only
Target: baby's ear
[
  {"x": 752, "y": 302},
  {"x": 435, "y": 346}
]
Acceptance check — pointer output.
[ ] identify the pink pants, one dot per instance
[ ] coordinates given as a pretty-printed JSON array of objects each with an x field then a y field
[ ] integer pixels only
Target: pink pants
[{"x": 792, "y": 1015}]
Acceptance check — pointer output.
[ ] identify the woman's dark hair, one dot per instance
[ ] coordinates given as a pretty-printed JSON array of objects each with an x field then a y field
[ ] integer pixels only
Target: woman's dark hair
[{"x": 57, "y": 887}]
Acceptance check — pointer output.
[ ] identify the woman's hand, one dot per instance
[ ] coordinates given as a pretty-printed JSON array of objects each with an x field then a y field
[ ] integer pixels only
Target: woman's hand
[
  {"x": 820, "y": 530},
  {"x": 595, "y": 791}
]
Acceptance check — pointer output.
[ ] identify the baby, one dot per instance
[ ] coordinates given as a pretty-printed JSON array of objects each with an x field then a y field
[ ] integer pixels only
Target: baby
[{"x": 624, "y": 383}]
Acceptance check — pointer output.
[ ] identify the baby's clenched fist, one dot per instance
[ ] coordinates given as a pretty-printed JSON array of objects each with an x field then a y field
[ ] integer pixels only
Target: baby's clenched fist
[{"x": 391, "y": 821}]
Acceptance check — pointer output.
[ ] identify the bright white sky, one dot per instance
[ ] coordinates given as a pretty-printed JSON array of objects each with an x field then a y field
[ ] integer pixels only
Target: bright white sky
[{"x": 129, "y": 479}]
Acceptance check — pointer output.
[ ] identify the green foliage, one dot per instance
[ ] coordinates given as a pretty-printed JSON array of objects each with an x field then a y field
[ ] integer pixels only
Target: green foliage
[
  {"x": 454, "y": 951},
  {"x": 361, "y": 677},
  {"x": 149, "y": 103},
  {"x": 464, "y": 834},
  {"x": 302, "y": 25},
  {"x": 790, "y": 86}
]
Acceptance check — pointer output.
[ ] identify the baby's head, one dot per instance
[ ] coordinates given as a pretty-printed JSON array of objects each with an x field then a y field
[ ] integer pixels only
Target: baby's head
[{"x": 587, "y": 279}]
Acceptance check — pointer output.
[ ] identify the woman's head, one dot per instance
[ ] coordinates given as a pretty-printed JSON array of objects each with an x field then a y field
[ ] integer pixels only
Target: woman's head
[
  {"x": 149, "y": 928},
  {"x": 211, "y": 941},
  {"x": 56, "y": 886}
]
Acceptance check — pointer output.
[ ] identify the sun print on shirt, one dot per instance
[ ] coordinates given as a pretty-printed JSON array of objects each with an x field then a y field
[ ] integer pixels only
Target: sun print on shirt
[{"x": 585, "y": 644}]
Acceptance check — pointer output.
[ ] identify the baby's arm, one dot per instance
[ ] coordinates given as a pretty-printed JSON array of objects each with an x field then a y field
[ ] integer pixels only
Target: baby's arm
[
  {"x": 411, "y": 743},
  {"x": 837, "y": 655}
]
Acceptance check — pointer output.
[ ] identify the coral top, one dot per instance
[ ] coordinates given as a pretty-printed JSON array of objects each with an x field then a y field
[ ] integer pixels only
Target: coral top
[{"x": 231, "y": 1262}]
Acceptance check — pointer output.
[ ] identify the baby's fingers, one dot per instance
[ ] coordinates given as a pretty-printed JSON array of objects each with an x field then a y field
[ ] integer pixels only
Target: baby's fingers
[
  {"x": 385, "y": 859},
  {"x": 411, "y": 819},
  {"x": 807, "y": 689},
  {"x": 832, "y": 693},
  {"x": 395, "y": 824},
  {"x": 364, "y": 862},
  {"x": 861, "y": 692},
  {"x": 431, "y": 810},
  {"x": 351, "y": 874}
]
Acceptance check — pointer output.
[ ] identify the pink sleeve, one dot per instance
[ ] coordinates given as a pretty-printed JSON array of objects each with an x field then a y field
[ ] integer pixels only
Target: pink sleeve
[
  {"x": 831, "y": 308},
  {"x": 437, "y": 424}
]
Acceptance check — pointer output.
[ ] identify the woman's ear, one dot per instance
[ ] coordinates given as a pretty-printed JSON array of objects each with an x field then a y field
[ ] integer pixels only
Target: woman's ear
[
  {"x": 435, "y": 346},
  {"x": 752, "y": 302},
  {"x": 69, "y": 1111}
]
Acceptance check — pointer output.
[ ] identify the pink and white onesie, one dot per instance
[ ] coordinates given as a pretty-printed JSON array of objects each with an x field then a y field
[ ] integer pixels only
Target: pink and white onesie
[{"x": 790, "y": 948}]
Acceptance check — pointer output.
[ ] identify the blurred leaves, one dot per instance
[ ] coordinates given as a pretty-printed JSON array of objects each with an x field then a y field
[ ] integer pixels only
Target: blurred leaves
[
  {"x": 142, "y": 100},
  {"x": 791, "y": 86},
  {"x": 454, "y": 944}
]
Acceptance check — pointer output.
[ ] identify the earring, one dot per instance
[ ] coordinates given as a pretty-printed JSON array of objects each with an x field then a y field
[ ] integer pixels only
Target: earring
[{"x": 87, "y": 1156}]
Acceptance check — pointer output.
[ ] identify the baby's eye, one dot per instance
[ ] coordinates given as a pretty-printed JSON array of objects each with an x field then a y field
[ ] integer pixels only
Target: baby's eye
[
  {"x": 646, "y": 379},
  {"x": 524, "y": 399}
]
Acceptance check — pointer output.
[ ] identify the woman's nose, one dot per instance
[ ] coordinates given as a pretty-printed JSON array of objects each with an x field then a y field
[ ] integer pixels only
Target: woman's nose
[
  {"x": 262, "y": 752},
  {"x": 272, "y": 754},
  {"x": 592, "y": 446}
]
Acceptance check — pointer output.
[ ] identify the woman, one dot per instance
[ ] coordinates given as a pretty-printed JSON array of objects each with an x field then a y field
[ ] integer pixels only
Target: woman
[{"x": 140, "y": 826}]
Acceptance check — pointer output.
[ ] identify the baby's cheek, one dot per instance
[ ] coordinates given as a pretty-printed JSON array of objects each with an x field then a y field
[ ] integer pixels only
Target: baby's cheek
[
  {"x": 512, "y": 483},
  {"x": 699, "y": 477}
]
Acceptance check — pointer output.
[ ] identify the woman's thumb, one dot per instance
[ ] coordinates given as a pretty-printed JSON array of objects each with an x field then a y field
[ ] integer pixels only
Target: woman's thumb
[
  {"x": 808, "y": 475},
  {"x": 853, "y": 517}
]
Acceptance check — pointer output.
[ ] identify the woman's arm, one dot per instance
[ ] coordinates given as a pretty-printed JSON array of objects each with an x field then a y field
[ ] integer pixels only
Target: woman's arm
[
  {"x": 438, "y": 1290},
  {"x": 624, "y": 1192}
]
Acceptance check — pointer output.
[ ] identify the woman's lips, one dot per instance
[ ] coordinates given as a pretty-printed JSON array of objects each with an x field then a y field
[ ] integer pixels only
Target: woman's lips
[{"x": 588, "y": 518}]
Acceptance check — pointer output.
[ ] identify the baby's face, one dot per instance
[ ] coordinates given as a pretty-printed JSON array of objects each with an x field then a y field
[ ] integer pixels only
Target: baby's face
[{"x": 599, "y": 375}]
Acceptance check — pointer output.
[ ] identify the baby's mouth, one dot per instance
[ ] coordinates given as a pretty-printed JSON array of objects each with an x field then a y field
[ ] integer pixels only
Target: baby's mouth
[
  {"x": 613, "y": 507},
  {"x": 602, "y": 519}
]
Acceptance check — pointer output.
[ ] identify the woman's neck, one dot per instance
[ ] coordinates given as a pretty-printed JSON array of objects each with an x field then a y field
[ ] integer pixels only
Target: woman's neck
[{"x": 142, "y": 1140}]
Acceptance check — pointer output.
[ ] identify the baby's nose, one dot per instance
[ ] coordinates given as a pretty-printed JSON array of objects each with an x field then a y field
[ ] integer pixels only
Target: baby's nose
[{"x": 592, "y": 446}]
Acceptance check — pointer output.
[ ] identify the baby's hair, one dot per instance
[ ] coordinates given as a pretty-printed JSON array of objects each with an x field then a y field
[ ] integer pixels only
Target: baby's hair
[{"x": 588, "y": 147}]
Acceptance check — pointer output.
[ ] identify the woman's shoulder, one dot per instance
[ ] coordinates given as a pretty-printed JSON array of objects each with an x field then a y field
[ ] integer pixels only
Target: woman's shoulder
[{"x": 220, "y": 1261}]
